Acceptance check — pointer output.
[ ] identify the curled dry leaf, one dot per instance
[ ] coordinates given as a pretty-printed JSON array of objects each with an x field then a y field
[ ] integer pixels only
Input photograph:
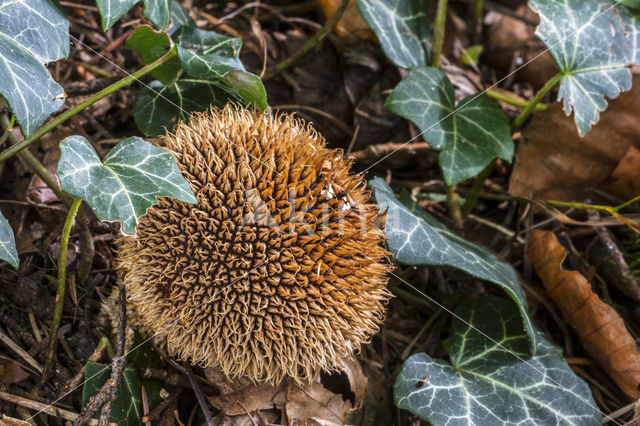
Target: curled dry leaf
[
  {"x": 599, "y": 327},
  {"x": 351, "y": 23},
  {"x": 554, "y": 162},
  {"x": 331, "y": 399}
]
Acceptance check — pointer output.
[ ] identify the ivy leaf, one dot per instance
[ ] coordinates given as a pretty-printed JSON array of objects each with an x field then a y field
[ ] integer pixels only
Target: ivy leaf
[
  {"x": 41, "y": 37},
  {"x": 125, "y": 183},
  {"x": 468, "y": 137},
  {"x": 402, "y": 26},
  {"x": 491, "y": 380},
  {"x": 8, "y": 251},
  {"x": 152, "y": 45},
  {"x": 127, "y": 408},
  {"x": 208, "y": 55},
  {"x": 593, "y": 43},
  {"x": 158, "y": 11},
  {"x": 179, "y": 18},
  {"x": 159, "y": 106},
  {"x": 416, "y": 238}
]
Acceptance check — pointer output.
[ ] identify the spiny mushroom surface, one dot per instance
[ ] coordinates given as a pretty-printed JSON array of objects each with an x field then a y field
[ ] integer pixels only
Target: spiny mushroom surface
[{"x": 278, "y": 270}]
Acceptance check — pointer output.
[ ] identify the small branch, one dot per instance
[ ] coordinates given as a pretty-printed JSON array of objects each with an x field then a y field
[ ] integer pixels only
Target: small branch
[
  {"x": 373, "y": 153},
  {"x": 95, "y": 357},
  {"x": 109, "y": 391},
  {"x": 476, "y": 20},
  {"x": 524, "y": 114},
  {"x": 626, "y": 281},
  {"x": 62, "y": 282},
  {"x": 317, "y": 37},
  {"x": 200, "y": 397},
  {"x": 14, "y": 149},
  {"x": 512, "y": 99},
  {"x": 41, "y": 407},
  {"x": 438, "y": 32},
  {"x": 21, "y": 352}
]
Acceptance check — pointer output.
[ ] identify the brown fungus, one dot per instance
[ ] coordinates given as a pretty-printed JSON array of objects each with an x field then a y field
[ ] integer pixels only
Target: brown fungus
[{"x": 278, "y": 270}]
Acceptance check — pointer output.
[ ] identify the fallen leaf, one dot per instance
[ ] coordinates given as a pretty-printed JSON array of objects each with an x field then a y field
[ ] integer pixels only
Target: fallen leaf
[
  {"x": 11, "y": 372},
  {"x": 626, "y": 176},
  {"x": 351, "y": 22},
  {"x": 554, "y": 162},
  {"x": 599, "y": 327},
  {"x": 512, "y": 43},
  {"x": 241, "y": 396}
]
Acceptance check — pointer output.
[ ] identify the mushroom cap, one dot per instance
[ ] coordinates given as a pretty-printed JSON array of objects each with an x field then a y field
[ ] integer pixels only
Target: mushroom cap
[{"x": 278, "y": 270}]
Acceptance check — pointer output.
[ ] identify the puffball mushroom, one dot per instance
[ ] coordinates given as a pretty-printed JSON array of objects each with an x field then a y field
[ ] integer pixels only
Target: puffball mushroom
[{"x": 278, "y": 270}]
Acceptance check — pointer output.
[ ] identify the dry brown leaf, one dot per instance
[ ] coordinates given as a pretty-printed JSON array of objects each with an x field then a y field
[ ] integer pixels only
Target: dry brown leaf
[
  {"x": 351, "y": 23},
  {"x": 599, "y": 327},
  {"x": 241, "y": 396},
  {"x": 512, "y": 42},
  {"x": 554, "y": 162},
  {"x": 11, "y": 372},
  {"x": 626, "y": 176}
]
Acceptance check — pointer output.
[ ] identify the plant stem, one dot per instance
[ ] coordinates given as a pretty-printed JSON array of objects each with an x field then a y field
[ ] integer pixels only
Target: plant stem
[
  {"x": 46, "y": 128},
  {"x": 438, "y": 32},
  {"x": 322, "y": 32},
  {"x": 512, "y": 99},
  {"x": 524, "y": 114},
  {"x": 476, "y": 20},
  {"x": 453, "y": 200},
  {"x": 477, "y": 186},
  {"x": 62, "y": 281}
]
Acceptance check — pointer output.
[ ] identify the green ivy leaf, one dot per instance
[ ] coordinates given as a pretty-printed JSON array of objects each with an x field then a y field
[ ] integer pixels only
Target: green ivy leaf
[
  {"x": 159, "y": 106},
  {"x": 416, "y": 238},
  {"x": 212, "y": 56},
  {"x": 491, "y": 380},
  {"x": 402, "y": 26},
  {"x": 158, "y": 11},
  {"x": 32, "y": 33},
  {"x": 152, "y": 45},
  {"x": 468, "y": 139},
  {"x": 592, "y": 43},
  {"x": 127, "y": 408},
  {"x": 179, "y": 18},
  {"x": 125, "y": 183},
  {"x": 8, "y": 251}
]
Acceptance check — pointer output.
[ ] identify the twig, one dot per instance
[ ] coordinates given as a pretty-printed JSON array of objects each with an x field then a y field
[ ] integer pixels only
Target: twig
[
  {"x": 453, "y": 200},
  {"x": 476, "y": 20},
  {"x": 21, "y": 352},
  {"x": 373, "y": 153},
  {"x": 95, "y": 357},
  {"x": 62, "y": 282},
  {"x": 119, "y": 361},
  {"x": 627, "y": 282},
  {"x": 14, "y": 149},
  {"x": 156, "y": 412},
  {"x": 109, "y": 391},
  {"x": 317, "y": 37},
  {"x": 325, "y": 114},
  {"x": 477, "y": 186},
  {"x": 200, "y": 397},
  {"x": 42, "y": 407}
]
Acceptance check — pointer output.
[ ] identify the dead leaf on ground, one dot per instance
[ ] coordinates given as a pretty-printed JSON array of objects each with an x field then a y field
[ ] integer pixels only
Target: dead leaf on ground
[
  {"x": 332, "y": 399},
  {"x": 554, "y": 162},
  {"x": 599, "y": 327},
  {"x": 11, "y": 372},
  {"x": 351, "y": 23},
  {"x": 512, "y": 43}
]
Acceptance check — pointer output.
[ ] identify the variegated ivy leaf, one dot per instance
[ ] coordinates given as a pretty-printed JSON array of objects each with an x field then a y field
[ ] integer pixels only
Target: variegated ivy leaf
[
  {"x": 402, "y": 26},
  {"x": 491, "y": 380},
  {"x": 158, "y": 11},
  {"x": 8, "y": 251},
  {"x": 469, "y": 135},
  {"x": 592, "y": 42},
  {"x": 416, "y": 238},
  {"x": 159, "y": 107},
  {"x": 32, "y": 33},
  {"x": 212, "y": 56},
  {"x": 125, "y": 183}
]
